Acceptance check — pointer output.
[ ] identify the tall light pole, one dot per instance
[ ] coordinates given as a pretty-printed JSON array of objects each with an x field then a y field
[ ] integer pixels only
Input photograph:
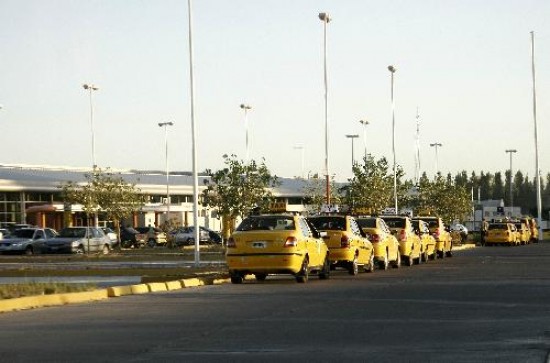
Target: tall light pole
[
  {"x": 352, "y": 137},
  {"x": 365, "y": 123},
  {"x": 436, "y": 145},
  {"x": 539, "y": 202},
  {"x": 392, "y": 70},
  {"x": 301, "y": 148},
  {"x": 325, "y": 18},
  {"x": 511, "y": 151},
  {"x": 246, "y": 108},
  {"x": 165, "y": 125},
  {"x": 91, "y": 88},
  {"x": 417, "y": 156},
  {"x": 194, "y": 139}
]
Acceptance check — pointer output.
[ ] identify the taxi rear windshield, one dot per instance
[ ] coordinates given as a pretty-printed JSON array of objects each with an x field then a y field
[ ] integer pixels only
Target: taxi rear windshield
[
  {"x": 329, "y": 223},
  {"x": 366, "y": 222},
  {"x": 266, "y": 224},
  {"x": 395, "y": 222},
  {"x": 498, "y": 226}
]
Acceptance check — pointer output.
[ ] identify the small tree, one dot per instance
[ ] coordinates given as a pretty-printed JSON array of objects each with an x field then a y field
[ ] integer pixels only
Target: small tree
[
  {"x": 315, "y": 192},
  {"x": 107, "y": 193},
  {"x": 238, "y": 188}
]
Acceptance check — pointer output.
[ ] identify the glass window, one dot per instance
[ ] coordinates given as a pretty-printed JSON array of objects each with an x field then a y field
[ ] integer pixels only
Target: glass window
[
  {"x": 304, "y": 227},
  {"x": 329, "y": 223}
]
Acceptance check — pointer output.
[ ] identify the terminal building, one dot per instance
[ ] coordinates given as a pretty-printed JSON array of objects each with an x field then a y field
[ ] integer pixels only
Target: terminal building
[{"x": 33, "y": 195}]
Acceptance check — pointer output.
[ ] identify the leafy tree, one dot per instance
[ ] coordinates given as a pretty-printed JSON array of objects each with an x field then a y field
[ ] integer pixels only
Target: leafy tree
[
  {"x": 238, "y": 188},
  {"x": 316, "y": 195},
  {"x": 107, "y": 193},
  {"x": 371, "y": 187},
  {"x": 498, "y": 186}
]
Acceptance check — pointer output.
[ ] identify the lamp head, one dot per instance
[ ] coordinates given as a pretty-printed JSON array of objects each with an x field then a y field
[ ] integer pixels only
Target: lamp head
[
  {"x": 392, "y": 69},
  {"x": 324, "y": 17}
]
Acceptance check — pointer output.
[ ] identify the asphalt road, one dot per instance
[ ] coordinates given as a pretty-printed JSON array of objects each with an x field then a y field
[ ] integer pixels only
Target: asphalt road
[{"x": 483, "y": 305}]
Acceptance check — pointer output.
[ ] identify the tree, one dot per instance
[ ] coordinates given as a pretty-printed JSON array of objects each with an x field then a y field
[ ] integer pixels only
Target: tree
[
  {"x": 315, "y": 192},
  {"x": 371, "y": 188},
  {"x": 238, "y": 188},
  {"x": 107, "y": 193}
]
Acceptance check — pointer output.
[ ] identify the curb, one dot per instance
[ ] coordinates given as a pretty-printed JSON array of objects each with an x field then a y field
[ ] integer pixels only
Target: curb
[{"x": 32, "y": 302}]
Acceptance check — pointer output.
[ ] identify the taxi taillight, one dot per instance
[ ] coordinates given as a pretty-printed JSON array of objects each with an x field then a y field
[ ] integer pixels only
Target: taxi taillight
[
  {"x": 291, "y": 242},
  {"x": 436, "y": 233},
  {"x": 375, "y": 237},
  {"x": 231, "y": 243},
  {"x": 403, "y": 235},
  {"x": 344, "y": 241}
]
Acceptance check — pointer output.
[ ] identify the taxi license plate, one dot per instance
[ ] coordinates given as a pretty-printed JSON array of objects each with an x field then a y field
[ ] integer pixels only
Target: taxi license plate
[{"x": 259, "y": 244}]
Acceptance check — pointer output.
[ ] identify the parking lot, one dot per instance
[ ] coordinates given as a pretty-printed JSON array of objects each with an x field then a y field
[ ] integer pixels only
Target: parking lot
[{"x": 483, "y": 304}]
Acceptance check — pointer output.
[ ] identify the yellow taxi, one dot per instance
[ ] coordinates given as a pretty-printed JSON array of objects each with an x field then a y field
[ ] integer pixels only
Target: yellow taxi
[
  {"x": 443, "y": 241},
  {"x": 276, "y": 244},
  {"x": 533, "y": 228},
  {"x": 349, "y": 247},
  {"x": 386, "y": 247},
  {"x": 409, "y": 242},
  {"x": 427, "y": 241},
  {"x": 524, "y": 234},
  {"x": 501, "y": 233}
]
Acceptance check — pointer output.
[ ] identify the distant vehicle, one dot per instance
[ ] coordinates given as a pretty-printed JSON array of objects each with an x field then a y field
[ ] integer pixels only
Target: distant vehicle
[
  {"x": 213, "y": 236},
  {"x": 457, "y": 227},
  {"x": 131, "y": 238},
  {"x": 386, "y": 247},
  {"x": 502, "y": 234},
  {"x": 4, "y": 233},
  {"x": 443, "y": 241},
  {"x": 27, "y": 241},
  {"x": 154, "y": 236},
  {"x": 409, "y": 242},
  {"x": 80, "y": 240},
  {"x": 186, "y": 236},
  {"x": 111, "y": 234}
]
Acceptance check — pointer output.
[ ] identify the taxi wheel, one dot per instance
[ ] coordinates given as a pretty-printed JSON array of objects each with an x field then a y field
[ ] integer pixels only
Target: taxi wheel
[
  {"x": 353, "y": 268},
  {"x": 425, "y": 256},
  {"x": 418, "y": 261},
  {"x": 260, "y": 276},
  {"x": 303, "y": 275},
  {"x": 370, "y": 267},
  {"x": 441, "y": 254},
  {"x": 384, "y": 264},
  {"x": 397, "y": 262},
  {"x": 449, "y": 253},
  {"x": 324, "y": 274},
  {"x": 236, "y": 279}
]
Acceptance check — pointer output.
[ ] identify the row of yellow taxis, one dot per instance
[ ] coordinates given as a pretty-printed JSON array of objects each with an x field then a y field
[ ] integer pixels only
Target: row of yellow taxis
[
  {"x": 511, "y": 232},
  {"x": 292, "y": 244}
]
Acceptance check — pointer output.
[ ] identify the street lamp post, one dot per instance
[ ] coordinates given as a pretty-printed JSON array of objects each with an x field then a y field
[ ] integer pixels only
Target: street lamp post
[
  {"x": 352, "y": 137},
  {"x": 325, "y": 18},
  {"x": 365, "y": 123},
  {"x": 301, "y": 148},
  {"x": 392, "y": 70},
  {"x": 417, "y": 154},
  {"x": 246, "y": 108},
  {"x": 537, "y": 176},
  {"x": 165, "y": 125},
  {"x": 511, "y": 151},
  {"x": 91, "y": 87},
  {"x": 436, "y": 145}
]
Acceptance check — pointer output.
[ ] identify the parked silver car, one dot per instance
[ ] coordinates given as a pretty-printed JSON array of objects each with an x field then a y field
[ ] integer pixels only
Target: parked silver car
[
  {"x": 80, "y": 240},
  {"x": 27, "y": 241},
  {"x": 186, "y": 236}
]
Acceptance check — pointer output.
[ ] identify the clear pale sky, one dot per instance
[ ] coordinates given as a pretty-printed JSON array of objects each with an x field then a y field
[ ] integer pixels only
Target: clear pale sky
[{"x": 465, "y": 64}]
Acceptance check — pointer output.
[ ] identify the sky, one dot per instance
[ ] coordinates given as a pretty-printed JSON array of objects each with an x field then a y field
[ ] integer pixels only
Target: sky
[{"x": 465, "y": 65}]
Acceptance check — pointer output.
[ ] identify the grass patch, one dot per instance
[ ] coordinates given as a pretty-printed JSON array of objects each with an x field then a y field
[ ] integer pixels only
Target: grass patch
[{"x": 11, "y": 291}]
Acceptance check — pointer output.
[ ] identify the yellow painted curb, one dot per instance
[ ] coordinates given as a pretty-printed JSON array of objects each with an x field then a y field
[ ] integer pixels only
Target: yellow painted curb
[
  {"x": 194, "y": 282},
  {"x": 29, "y": 302},
  {"x": 139, "y": 289},
  {"x": 173, "y": 285},
  {"x": 116, "y": 291},
  {"x": 157, "y": 286},
  {"x": 221, "y": 281}
]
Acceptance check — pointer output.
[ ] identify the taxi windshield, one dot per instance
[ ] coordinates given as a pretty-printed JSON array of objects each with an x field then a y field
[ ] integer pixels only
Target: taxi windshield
[
  {"x": 329, "y": 223},
  {"x": 267, "y": 223},
  {"x": 366, "y": 222},
  {"x": 498, "y": 226},
  {"x": 395, "y": 222}
]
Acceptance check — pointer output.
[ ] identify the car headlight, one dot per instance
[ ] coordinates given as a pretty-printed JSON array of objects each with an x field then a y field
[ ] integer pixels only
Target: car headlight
[{"x": 74, "y": 243}]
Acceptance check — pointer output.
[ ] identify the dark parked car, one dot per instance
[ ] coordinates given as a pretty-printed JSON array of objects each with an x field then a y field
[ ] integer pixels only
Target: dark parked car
[
  {"x": 80, "y": 240},
  {"x": 131, "y": 238},
  {"x": 27, "y": 240}
]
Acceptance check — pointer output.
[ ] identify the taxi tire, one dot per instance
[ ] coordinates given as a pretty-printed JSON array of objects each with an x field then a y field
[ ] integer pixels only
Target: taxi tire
[
  {"x": 425, "y": 257},
  {"x": 324, "y": 274},
  {"x": 397, "y": 262},
  {"x": 353, "y": 267},
  {"x": 385, "y": 263},
  {"x": 260, "y": 276},
  {"x": 449, "y": 253},
  {"x": 418, "y": 261},
  {"x": 236, "y": 279},
  {"x": 371, "y": 265},
  {"x": 303, "y": 275}
]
